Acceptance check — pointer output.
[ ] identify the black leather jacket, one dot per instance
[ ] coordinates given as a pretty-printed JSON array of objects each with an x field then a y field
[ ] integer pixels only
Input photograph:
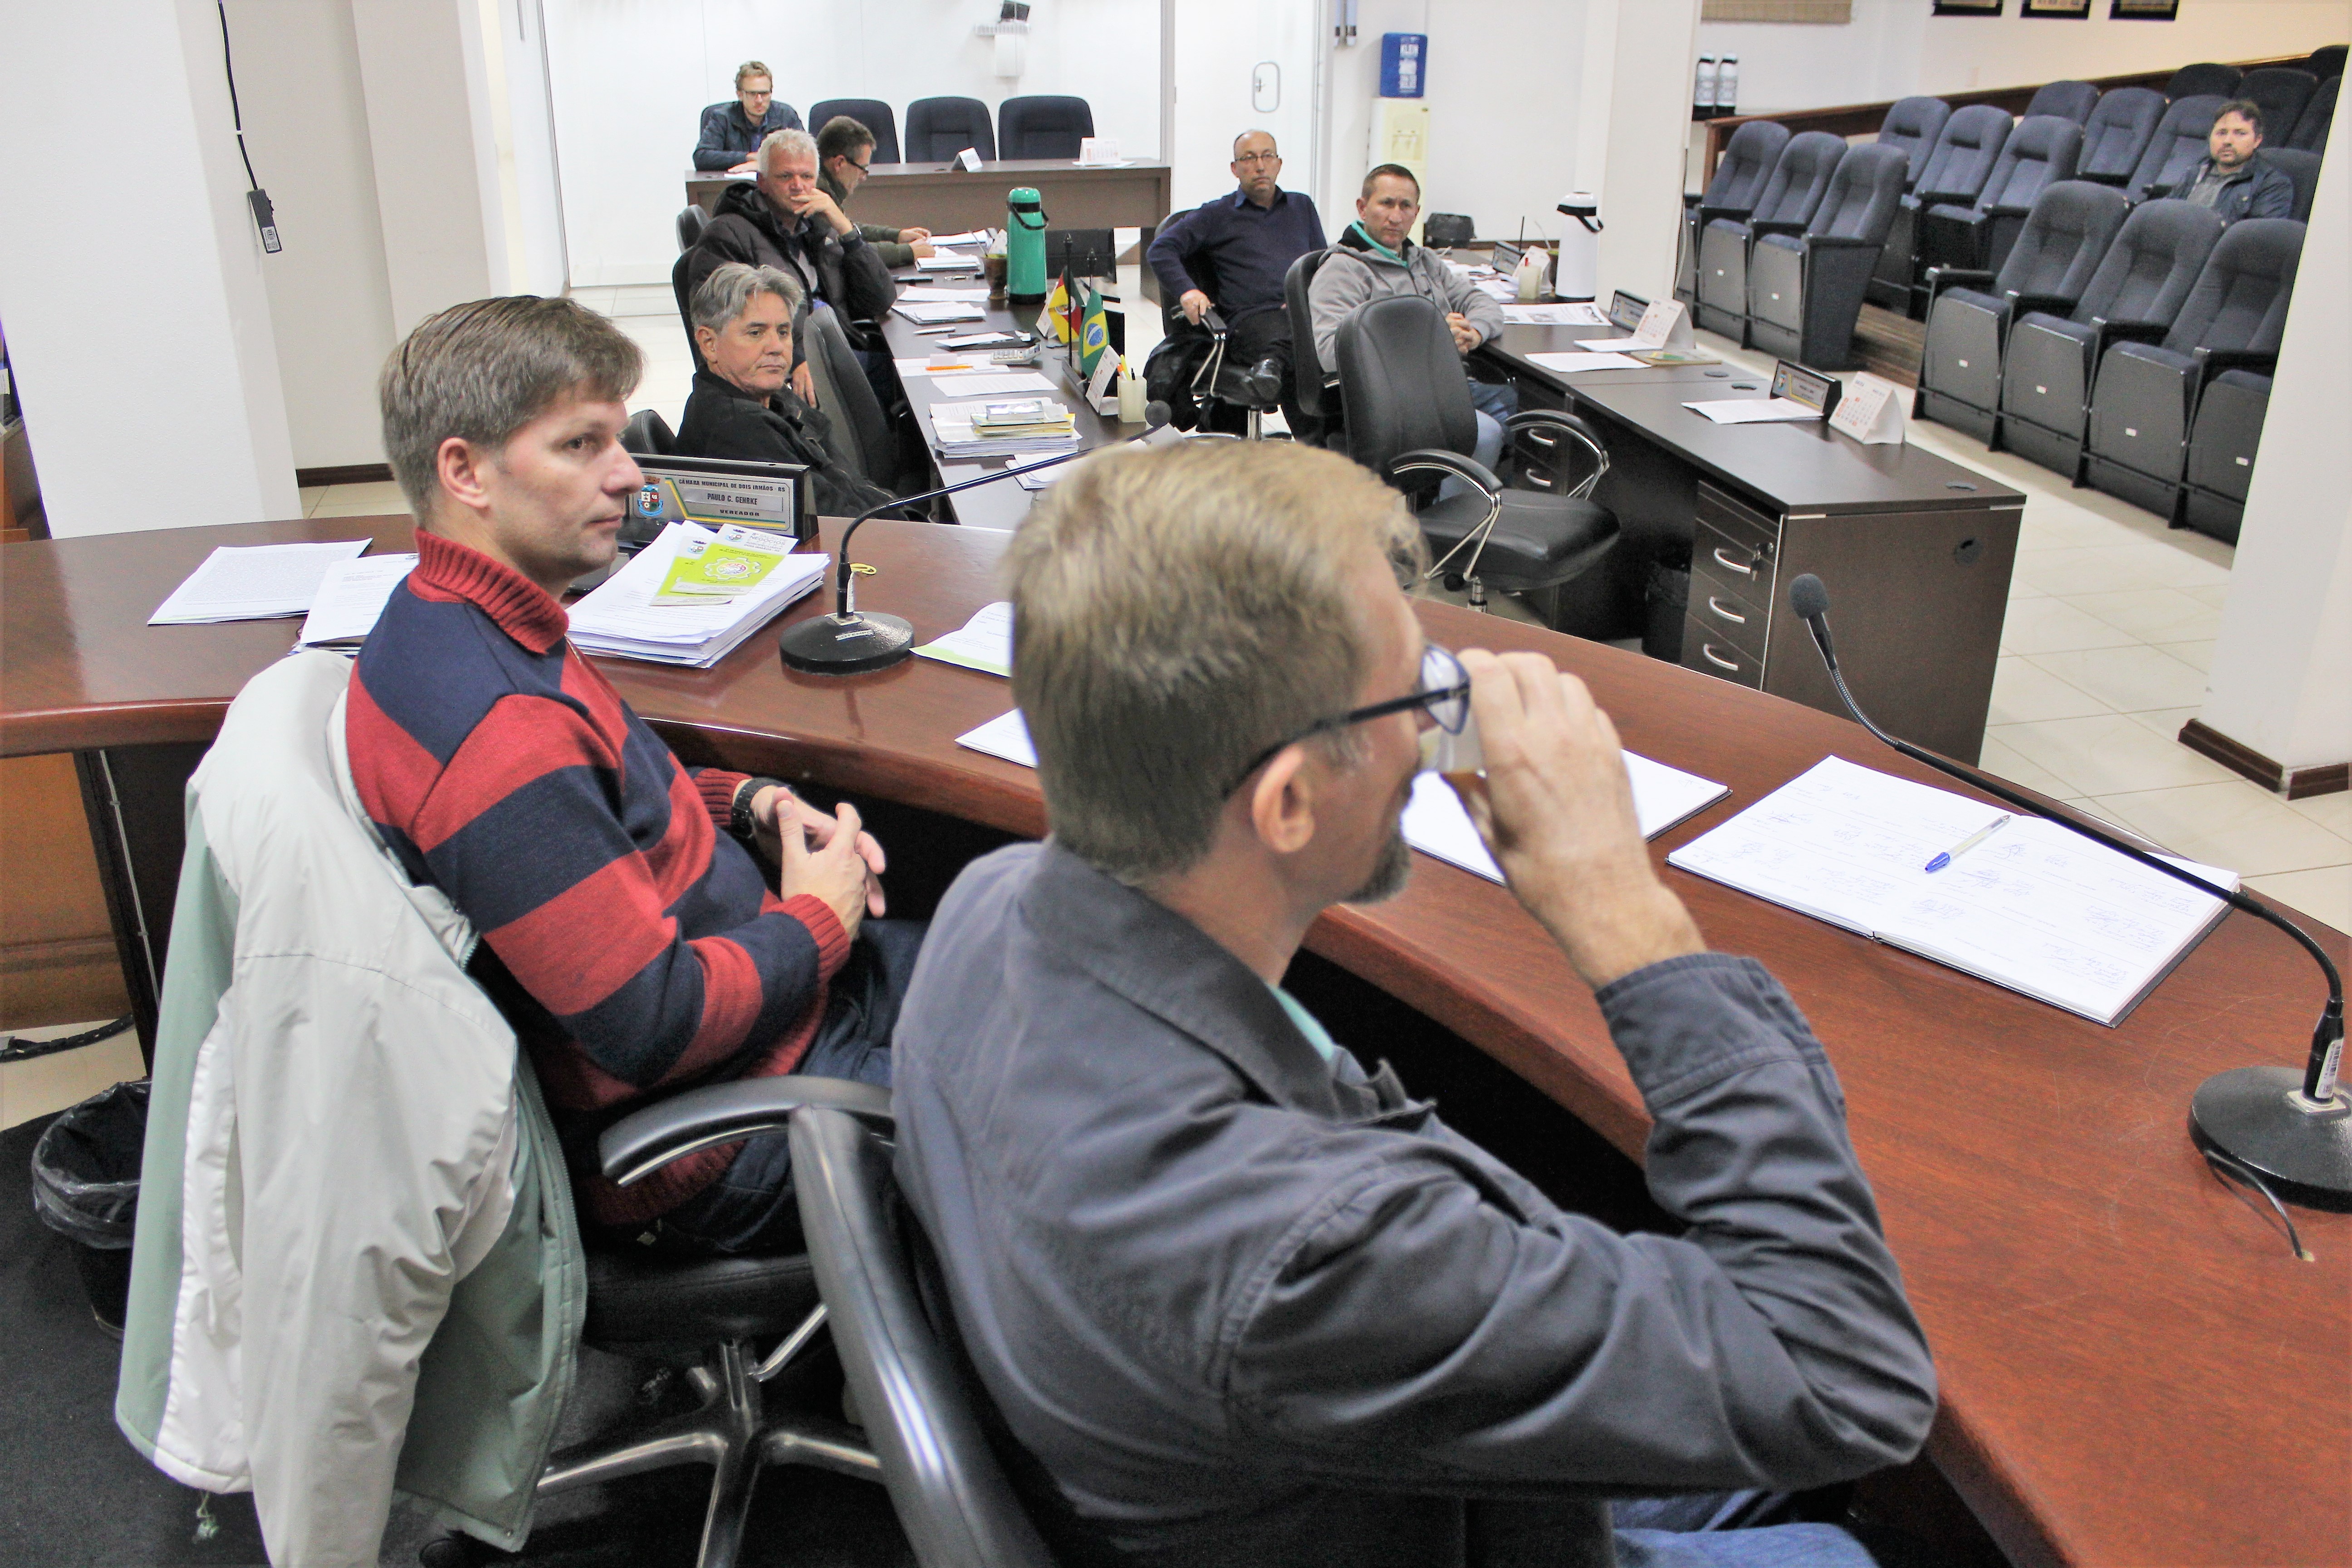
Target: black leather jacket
[
  {"x": 2257, "y": 190},
  {"x": 850, "y": 275}
]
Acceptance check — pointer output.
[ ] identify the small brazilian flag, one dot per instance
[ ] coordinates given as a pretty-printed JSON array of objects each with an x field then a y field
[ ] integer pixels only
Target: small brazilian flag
[
  {"x": 1094, "y": 335},
  {"x": 1056, "y": 318}
]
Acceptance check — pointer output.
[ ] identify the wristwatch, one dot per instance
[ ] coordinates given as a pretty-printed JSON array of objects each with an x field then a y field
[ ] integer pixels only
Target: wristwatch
[{"x": 738, "y": 813}]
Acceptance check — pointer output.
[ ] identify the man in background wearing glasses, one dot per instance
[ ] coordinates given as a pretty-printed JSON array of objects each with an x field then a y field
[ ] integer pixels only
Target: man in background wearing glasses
[
  {"x": 732, "y": 131},
  {"x": 1244, "y": 1301},
  {"x": 1240, "y": 246},
  {"x": 844, "y": 154}
]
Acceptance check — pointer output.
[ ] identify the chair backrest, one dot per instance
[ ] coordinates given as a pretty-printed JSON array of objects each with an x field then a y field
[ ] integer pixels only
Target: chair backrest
[
  {"x": 2067, "y": 100},
  {"x": 2118, "y": 132},
  {"x": 1307, "y": 370},
  {"x": 2310, "y": 133},
  {"x": 2176, "y": 147},
  {"x": 1747, "y": 163},
  {"x": 1049, "y": 125},
  {"x": 2154, "y": 262},
  {"x": 2241, "y": 298},
  {"x": 859, "y": 430},
  {"x": 2326, "y": 60},
  {"x": 939, "y": 128},
  {"x": 1913, "y": 124},
  {"x": 1964, "y": 152},
  {"x": 2282, "y": 93},
  {"x": 872, "y": 113},
  {"x": 1800, "y": 179},
  {"x": 647, "y": 434},
  {"x": 2038, "y": 153},
  {"x": 2303, "y": 168},
  {"x": 1865, "y": 194},
  {"x": 691, "y": 221},
  {"x": 1401, "y": 377},
  {"x": 2205, "y": 78},
  {"x": 2065, "y": 235},
  {"x": 919, "y": 1398},
  {"x": 685, "y": 304}
]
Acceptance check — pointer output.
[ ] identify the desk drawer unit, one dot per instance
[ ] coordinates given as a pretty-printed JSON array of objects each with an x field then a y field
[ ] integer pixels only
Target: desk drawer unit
[{"x": 1735, "y": 551}]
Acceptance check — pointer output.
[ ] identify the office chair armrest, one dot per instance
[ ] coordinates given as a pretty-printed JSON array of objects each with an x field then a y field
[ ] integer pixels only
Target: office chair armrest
[
  {"x": 2212, "y": 363},
  {"x": 645, "y": 1141},
  {"x": 2104, "y": 334},
  {"x": 1942, "y": 278},
  {"x": 2023, "y": 305},
  {"x": 1424, "y": 460},
  {"x": 2004, "y": 209},
  {"x": 1536, "y": 419}
]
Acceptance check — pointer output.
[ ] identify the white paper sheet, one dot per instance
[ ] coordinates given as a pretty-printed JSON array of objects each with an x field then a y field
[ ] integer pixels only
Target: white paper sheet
[
  {"x": 937, "y": 312},
  {"x": 948, "y": 261},
  {"x": 1043, "y": 477},
  {"x": 1436, "y": 823},
  {"x": 1573, "y": 364},
  {"x": 1754, "y": 410},
  {"x": 968, "y": 236},
  {"x": 1006, "y": 736},
  {"x": 2036, "y": 908},
  {"x": 252, "y": 582},
  {"x": 351, "y": 597},
  {"x": 963, "y": 364},
  {"x": 984, "y": 643},
  {"x": 621, "y": 618},
  {"x": 921, "y": 293},
  {"x": 1566, "y": 313},
  {"x": 1003, "y": 383}
]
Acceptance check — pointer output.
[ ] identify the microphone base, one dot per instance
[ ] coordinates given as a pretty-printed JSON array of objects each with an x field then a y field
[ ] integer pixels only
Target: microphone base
[
  {"x": 847, "y": 645},
  {"x": 2255, "y": 1116}
]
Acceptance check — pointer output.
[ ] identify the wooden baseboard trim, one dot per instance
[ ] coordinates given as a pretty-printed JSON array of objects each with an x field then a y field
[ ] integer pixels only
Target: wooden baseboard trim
[
  {"x": 349, "y": 474},
  {"x": 2295, "y": 783}
]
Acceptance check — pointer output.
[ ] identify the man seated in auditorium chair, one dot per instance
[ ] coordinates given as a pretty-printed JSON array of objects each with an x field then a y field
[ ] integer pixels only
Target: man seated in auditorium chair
[
  {"x": 628, "y": 931},
  {"x": 1240, "y": 1300},
  {"x": 1373, "y": 259},
  {"x": 2234, "y": 180},
  {"x": 845, "y": 152},
  {"x": 731, "y": 133}
]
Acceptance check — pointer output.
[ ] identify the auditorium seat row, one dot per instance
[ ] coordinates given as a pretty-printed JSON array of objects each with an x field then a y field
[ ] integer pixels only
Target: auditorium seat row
[
  {"x": 1040, "y": 126},
  {"x": 2127, "y": 347}
]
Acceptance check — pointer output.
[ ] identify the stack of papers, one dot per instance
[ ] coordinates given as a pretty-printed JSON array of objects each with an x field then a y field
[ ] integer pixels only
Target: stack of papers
[
  {"x": 1754, "y": 410},
  {"x": 934, "y": 312},
  {"x": 923, "y": 294},
  {"x": 968, "y": 236},
  {"x": 254, "y": 583},
  {"x": 350, "y": 600},
  {"x": 984, "y": 643},
  {"x": 730, "y": 565},
  {"x": 1569, "y": 314},
  {"x": 1575, "y": 363},
  {"x": 2035, "y": 907},
  {"x": 950, "y": 261},
  {"x": 953, "y": 434},
  {"x": 622, "y": 619}
]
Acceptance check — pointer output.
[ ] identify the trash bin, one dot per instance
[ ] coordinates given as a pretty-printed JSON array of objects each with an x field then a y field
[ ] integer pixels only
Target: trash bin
[
  {"x": 1665, "y": 597},
  {"x": 86, "y": 1188}
]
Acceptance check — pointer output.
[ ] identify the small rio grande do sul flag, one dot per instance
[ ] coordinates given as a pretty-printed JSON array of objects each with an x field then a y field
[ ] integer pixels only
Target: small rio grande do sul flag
[{"x": 1054, "y": 320}]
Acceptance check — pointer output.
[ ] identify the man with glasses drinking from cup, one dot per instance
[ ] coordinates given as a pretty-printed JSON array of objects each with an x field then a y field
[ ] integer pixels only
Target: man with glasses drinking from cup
[
  {"x": 1240, "y": 245},
  {"x": 1242, "y": 1300}
]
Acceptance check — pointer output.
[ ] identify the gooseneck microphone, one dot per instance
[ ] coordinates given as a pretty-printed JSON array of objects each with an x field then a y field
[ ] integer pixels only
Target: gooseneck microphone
[
  {"x": 851, "y": 641},
  {"x": 2293, "y": 1130}
]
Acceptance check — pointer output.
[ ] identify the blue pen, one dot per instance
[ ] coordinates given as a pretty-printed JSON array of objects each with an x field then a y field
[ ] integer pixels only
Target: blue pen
[{"x": 1970, "y": 842}]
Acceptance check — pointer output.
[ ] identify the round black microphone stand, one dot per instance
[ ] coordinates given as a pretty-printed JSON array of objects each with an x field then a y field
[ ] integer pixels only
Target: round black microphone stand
[{"x": 2293, "y": 1130}]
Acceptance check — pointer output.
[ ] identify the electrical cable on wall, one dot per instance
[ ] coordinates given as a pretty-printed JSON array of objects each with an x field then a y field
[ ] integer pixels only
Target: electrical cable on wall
[{"x": 264, "y": 217}]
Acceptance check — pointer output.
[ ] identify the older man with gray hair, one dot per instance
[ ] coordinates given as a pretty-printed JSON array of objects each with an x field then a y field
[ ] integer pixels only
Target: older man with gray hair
[{"x": 1240, "y": 1299}]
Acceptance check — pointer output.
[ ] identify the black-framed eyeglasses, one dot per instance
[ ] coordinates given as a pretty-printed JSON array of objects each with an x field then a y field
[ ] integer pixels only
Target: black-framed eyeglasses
[
  {"x": 1444, "y": 694},
  {"x": 861, "y": 168}
]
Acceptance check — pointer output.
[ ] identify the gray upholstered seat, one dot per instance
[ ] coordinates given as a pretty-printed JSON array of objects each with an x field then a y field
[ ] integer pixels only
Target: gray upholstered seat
[
  {"x": 1739, "y": 178},
  {"x": 2303, "y": 168},
  {"x": 1800, "y": 180},
  {"x": 1969, "y": 312},
  {"x": 2282, "y": 93},
  {"x": 1913, "y": 124},
  {"x": 2067, "y": 100},
  {"x": 2040, "y": 152},
  {"x": 2310, "y": 133},
  {"x": 1954, "y": 176},
  {"x": 2205, "y": 78},
  {"x": 1044, "y": 125},
  {"x": 939, "y": 128},
  {"x": 2222, "y": 447},
  {"x": 2118, "y": 132},
  {"x": 2175, "y": 149},
  {"x": 1805, "y": 290},
  {"x": 872, "y": 113},
  {"x": 2140, "y": 286}
]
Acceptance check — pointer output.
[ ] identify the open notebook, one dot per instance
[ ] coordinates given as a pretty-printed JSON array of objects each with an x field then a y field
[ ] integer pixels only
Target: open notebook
[{"x": 2036, "y": 908}]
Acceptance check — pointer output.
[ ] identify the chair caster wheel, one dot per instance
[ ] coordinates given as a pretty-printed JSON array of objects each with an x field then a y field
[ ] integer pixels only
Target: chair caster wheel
[
  {"x": 459, "y": 1551},
  {"x": 1455, "y": 581}
]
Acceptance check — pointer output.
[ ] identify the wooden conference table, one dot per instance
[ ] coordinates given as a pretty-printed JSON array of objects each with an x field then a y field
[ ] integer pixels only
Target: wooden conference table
[
  {"x": 944, "y": 199},
  {"x": 2134, "y": 1368}
]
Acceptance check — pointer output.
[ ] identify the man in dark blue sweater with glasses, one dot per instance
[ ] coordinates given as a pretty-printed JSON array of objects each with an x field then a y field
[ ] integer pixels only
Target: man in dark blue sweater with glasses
[{"x": 1231, "y": 254}]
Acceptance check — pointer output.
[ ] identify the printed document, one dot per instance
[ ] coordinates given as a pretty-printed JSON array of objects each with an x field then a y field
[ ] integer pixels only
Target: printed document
[
  {"x": 1754, "y": 410},
  {"x": 254, "y": 583},
  {"x": 1572, "y": 364},
  {"x": 1436, "y": 823},
  {"x": 1567, "y": 313},
  {"x": 984, "y": 643},
  {"x": 350, "y": 599}
]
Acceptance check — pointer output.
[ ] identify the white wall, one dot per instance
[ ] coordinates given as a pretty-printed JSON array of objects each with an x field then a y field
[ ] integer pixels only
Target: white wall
[
  {"x": 1639, "y": 175},
  {"x": 2281, "y": 678},
  {"x": 1893, "y": 48},
  {"x": 631, "y": 76},
  {"x": 1217, "y": 45},
  {"x": 157, "y": 377}
]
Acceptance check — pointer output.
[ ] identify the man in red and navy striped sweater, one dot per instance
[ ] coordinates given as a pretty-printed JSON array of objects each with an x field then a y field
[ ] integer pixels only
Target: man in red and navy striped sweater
[{"x": 627, "y": 930}]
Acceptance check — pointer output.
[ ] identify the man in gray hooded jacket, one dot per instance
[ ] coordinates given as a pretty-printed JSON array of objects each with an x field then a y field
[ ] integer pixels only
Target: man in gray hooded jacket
[{"x": 1241, "y": 1301}]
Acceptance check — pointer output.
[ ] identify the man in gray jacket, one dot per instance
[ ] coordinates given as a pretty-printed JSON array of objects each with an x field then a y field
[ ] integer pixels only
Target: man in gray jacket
[
  {"x": 1241, "y": 1301},
  {"x": 1373, "y": 259}
]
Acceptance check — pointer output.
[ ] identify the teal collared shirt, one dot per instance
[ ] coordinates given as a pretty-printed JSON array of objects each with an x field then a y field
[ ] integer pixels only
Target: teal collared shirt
[{"x": 1309, "y": 1025}]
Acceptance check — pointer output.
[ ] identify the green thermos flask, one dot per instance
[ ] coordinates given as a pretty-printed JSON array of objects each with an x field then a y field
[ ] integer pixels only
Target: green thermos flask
[{"x": 1025, "y": 246}]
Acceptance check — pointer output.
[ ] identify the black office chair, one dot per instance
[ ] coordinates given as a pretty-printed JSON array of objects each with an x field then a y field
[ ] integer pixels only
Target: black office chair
[
  {"x": 924, "y": 1408},
  {"x": 1408, "y": 413},
  {"x": 2049, "y": 361},
  {"x": 2282, "y": 93},
  {"x": 2118, "y": 132},
  {"x": 2145, "y": 400},
  {"x": 1913, "y": 124},
  {"x": 1800, "y": 178},
  {"x": 1046, "y": 125},
  {"x": 939, "y": 128},
  {"x": 2176, "y": 148},
  {"x": 1740, "y": 175},
  {"x": 2039, "y": 152},
  {"x": 2310, "y": 133},
  {"x": 872, "y": 113},
  {"x": 2303, "y": 169},
  {"x": 1969, "y": 312},
  {"x": 2067, "y": 100},
  {"x": 2207, "y": 79},
  {"x": 1955, "y": 172},
  {"x": 1316, "y": 385},
  {"x": 691, "y": 221},
  {"x": 2222, "y": 447},
  {"x": 1805, "y": 290},
  {"x": 647, "y": 434}
]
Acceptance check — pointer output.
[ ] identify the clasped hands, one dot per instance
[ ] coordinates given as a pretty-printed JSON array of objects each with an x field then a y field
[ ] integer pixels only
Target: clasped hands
[
  {"x": 1557, "y": 809},
  {"x": 827, "y": 854}
]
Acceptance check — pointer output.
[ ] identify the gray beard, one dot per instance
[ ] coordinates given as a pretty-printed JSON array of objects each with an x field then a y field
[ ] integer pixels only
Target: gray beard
[{"x": 1390, "y": 874}]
